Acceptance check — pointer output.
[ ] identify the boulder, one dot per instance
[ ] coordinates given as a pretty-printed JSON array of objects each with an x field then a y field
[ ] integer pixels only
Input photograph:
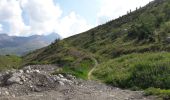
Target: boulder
[{"x": 15, "y": 78}]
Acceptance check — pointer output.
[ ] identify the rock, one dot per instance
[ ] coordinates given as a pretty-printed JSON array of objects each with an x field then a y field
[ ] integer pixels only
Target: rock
[
  {"x": 56, "y": 78},
  {"x": 21, "y": 71},
  {"x": 70, "y": 77},
  {"x": 27, "y": 69},
  {"x": 61, "y": 76},
  {"x": 23, "y": 78},
  {"x": 61, "y": 83},
  {"x": 66, "y": 80},
  {"x": 37, "y": 71},
  {"x": 13, "y": 95},
  {"x": 35, "y": 89},
  {"x": 1, "y": 79},
  {"x": 6, "y": 93},
  {"x": 15, "y": 78}
]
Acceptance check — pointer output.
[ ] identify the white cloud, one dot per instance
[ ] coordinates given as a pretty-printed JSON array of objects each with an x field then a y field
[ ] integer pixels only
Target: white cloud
[
  {"x": 43, "y": 17},
  {"x": 111, "y": 9},
  {"x": 1, "y": 28},
  {"x": 11, "y": 13},
  {"x": 72, "y": 24}
]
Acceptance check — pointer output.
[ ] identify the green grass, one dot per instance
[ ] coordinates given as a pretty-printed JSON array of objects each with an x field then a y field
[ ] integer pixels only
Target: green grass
[
  {"x": 79, "y": 70},
  {"x": 9, "y": 62},
  {"x": 162, "y": 93},
  {"x": 136, "y": 70}
]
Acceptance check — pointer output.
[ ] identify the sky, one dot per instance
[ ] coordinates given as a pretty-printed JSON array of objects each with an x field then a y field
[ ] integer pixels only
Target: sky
[{"x": 65, "y": 17}]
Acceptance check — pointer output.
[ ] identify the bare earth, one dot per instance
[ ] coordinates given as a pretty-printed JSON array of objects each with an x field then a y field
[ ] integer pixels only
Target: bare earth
[{"x": 63, "y": 87}]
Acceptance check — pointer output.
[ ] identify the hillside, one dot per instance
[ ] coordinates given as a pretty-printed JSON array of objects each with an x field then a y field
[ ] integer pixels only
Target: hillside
[
  {"x": 144, "y": 32},
  {"x": 21, "y": 45}
]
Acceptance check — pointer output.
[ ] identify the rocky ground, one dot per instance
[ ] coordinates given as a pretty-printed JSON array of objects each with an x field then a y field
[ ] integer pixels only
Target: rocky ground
[{"x": 37, "y": 83}]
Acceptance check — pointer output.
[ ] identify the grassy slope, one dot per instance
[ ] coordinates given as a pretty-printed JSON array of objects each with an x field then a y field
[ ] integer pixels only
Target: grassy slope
[
  {"x": 8, "y": 62},
  {"x": 59, "y": 53},
  {"x": 144, "y": 30},
  {"x": 136, "y": 70}
]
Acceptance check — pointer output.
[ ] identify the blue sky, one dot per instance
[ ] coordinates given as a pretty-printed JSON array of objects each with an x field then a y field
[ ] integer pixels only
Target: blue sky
[{"x": 65, "y": 17}]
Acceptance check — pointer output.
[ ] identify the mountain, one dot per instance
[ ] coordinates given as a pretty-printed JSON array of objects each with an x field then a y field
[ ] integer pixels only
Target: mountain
[
  {"x": 129, "y": 52},
  {"x": 21, "y": 45}
]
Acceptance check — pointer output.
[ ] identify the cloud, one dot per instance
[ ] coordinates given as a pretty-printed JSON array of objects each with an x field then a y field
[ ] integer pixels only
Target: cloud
[
  {"x": 43, "y": 15},
  {"x": 72, "y": 24},
  {"x": 111, "y": 9},
  {"x": 1, "y": 28},
  {"x": 11, "y": 13},
  {"x": 27, "y": 17}
]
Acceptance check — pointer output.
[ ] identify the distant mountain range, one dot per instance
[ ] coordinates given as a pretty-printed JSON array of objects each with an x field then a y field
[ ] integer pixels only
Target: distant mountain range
[{"x": 22, "y": 45}]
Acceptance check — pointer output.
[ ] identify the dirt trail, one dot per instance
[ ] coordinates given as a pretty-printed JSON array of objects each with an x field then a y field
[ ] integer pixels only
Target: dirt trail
[
  {"x": 38, "y": 84},
  {"x": 87, "y": 90},
  {"x": 91, "y": 71}
]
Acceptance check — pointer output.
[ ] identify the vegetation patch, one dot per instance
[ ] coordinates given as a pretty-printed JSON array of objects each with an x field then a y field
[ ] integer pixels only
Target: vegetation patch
[
  {"x": 137, "y": 70},
  {"x": 79, "y": 70},
  {"x": 9, "y": 62}
]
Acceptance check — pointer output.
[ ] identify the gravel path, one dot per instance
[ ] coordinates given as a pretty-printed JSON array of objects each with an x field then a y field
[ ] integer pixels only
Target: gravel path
[
  {"x": 64, "y": 88},
  {"x": 92, "y": 91}
]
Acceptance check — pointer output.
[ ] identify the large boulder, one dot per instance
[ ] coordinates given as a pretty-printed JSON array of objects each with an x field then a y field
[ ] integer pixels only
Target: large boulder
[{"x": 16, "y": 78}]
